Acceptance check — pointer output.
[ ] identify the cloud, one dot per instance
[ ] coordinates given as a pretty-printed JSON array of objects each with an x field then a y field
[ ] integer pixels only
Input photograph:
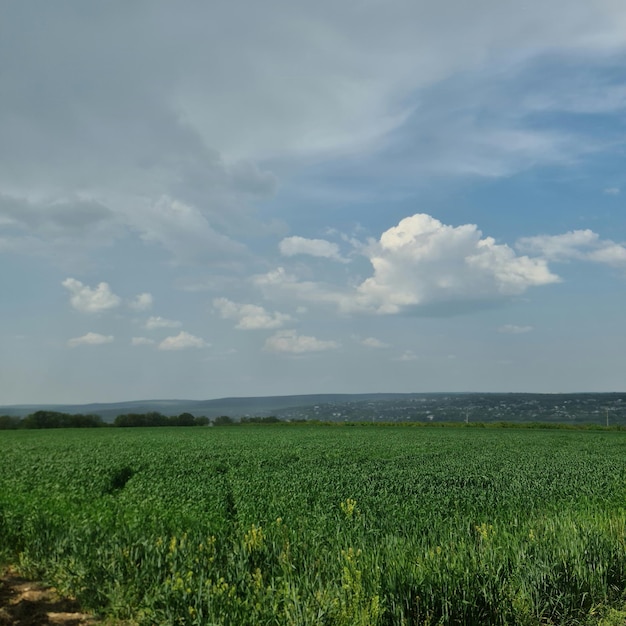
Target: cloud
[
  {"x": 90, "y": 339},
  {"x": 183, "y": 341},
  {"x": 249, "y": 316},
  {"x": 612, "y": 191},
  {"x": 141, "y": 341},
  {"x": 292, "y": 246},
  {"x": 141, "y": 302},
  {"x": 422, "y": 261},
  {"x": 176, "y": 157},
  {"x": 280, "y": 282},
  {"x": 89, "y": 300},
  {"x": 584, "y": 245},
  {"x": 155, "y": 322},
  {"x": 423, "y": 265},
  {"x": 69, "y": 217},
  {"x": 513, "y": 329},
  {"x": 289, "y": 341},
  {"x": 183, "y": 230},
  {"x": 372, "y": 342},
  {"x": 312, "y": 80},
  {"x": 66, "y": 229}
]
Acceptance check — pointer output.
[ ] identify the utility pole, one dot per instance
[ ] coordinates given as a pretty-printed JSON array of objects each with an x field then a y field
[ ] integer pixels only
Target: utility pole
[{"x": 467, "y": 416}]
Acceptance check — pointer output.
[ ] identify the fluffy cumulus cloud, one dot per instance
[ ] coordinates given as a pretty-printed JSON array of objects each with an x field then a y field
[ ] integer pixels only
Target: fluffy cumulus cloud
[
  {"x": 88, "y": 300},
  {"x": 90, "y": 339},
  {"x": 249, "y": 316},
  {"x": 422, "y": 261},
  {"x": 289, "y": 341},
  {"x": 584, "y": 245},
  {"x": 292, "y": 246},
  {"x": 155, "y": 322},
  {"x": 183, "y": 341}
]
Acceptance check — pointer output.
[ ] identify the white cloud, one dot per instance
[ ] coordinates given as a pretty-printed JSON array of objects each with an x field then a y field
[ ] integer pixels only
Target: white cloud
[
  {"x": 422, "y": 264},
  {"x": 609, "y": 253},
  {"x": 289, "y": 341},
  {"x": 141, "y": 341},
  {"x": 90, "y": 339},
  {"x": 584, "y": 245},
  {"x": 612, "y": 191},
  {"x": 292, "y": 246},
  {"x": 249, "y": 316},
  {"x": 372, "y": 342},
  {"x": 142, "y": 302},
  {"x": 89, "y": 300},
  {"x": 155, "y": 322},
  {"x": 514, "y": 329},
  {"x": 183, "y": 341}
]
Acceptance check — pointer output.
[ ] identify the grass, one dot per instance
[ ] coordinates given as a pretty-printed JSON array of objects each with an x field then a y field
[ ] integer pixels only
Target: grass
[{"x": 313, "y": 525}]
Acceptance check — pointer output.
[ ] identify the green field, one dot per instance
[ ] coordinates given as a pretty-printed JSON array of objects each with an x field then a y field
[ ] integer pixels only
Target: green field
[{"x": 335, "y": 525}]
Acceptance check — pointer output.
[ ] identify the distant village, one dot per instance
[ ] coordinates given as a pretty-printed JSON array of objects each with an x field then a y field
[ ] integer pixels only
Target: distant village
[{"x": 602, "y": 409}]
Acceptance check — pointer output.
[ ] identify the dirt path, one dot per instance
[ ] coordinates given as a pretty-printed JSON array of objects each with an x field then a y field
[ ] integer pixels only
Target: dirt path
[{"x": 27, "y": 603}]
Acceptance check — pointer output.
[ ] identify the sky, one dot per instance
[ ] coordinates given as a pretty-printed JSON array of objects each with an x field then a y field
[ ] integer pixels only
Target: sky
[{"x": 211, "y": 199}]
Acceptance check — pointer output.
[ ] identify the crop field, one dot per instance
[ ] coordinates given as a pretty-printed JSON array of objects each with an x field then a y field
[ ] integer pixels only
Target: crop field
[{"x": 314, "y": 525}]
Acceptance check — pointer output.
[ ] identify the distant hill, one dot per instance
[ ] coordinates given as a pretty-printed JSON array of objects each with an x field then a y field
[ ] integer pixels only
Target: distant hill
[
  {"x": 234, "y": 407},
  {"x": 571, "y": 408}
]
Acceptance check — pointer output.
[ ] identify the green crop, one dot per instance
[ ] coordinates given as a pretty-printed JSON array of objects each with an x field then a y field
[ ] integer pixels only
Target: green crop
[{"x": 337, "y": 526}]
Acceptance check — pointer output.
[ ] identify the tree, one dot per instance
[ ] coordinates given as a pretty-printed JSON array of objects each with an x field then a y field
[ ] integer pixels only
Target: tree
[{"x": 223, "y": 420}]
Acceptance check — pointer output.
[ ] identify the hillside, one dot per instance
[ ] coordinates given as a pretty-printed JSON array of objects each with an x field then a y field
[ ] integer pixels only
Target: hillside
[{"x": 580, "y": 408}]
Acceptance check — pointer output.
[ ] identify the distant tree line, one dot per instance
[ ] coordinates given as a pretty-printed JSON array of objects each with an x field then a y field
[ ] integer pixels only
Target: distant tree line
[
  {"x": 50, "y": 419},
  {"x": 154, "y": 418},
  {"x": 55, "y": 419}
]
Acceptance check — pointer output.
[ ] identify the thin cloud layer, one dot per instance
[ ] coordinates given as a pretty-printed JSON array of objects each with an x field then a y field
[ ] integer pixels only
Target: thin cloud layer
[
  {"x": 90, "y": 339},
  {"x": 372, "y": 342},
  {"x": 289, "y": 341},
  {"x": 292, "y": 246},
  {"x": 514, "y": 329},
  {"x": 142, "y": 341},
  {"x": 584, "y": 245}
]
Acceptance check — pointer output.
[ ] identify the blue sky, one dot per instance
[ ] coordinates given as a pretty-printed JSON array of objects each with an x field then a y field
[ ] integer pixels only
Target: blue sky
[{"x": 231, "y": 198}]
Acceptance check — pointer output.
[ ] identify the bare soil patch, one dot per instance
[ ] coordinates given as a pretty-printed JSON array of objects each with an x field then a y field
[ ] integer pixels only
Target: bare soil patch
[{"x": 27, "y": 603}]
